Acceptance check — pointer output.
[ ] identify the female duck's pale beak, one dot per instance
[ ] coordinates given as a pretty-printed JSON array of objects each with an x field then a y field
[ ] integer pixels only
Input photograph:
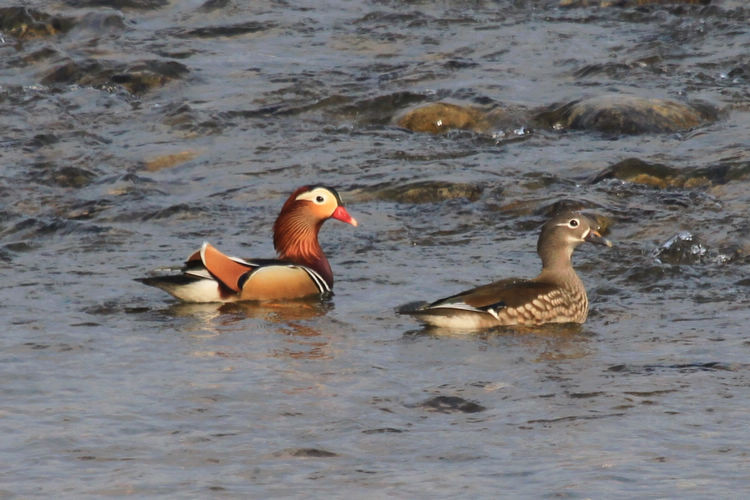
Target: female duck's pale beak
[
  {"x": 341, "y": 214},
  {"x": 596, "y": 238}
]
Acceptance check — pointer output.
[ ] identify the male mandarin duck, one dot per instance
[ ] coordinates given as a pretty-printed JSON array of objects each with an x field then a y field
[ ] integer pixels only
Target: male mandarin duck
[
  {"x": 300, "y": 271},
  {"x": 557, "y": 295}
]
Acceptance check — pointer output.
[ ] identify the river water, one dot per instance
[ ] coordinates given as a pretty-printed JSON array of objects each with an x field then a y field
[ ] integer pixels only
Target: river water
[{"x": 133, "y": 130}]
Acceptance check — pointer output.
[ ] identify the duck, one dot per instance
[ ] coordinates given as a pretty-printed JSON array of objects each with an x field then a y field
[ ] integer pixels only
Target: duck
[
  {"x": 301, "y": 269},
  {"x": 556, "y": 295}
]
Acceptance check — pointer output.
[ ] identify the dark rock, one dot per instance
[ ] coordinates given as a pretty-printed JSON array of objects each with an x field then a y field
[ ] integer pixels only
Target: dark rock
[
  {"x": 312, "y": 453},
  {"x": 420, "y": 192},
  {"x": 65, "y": 176},
  {"x": 120, "y": 4},
  {"x": 212, "y": 5},
  {"x": 377, "y": 110},
  {"x": 147, "y": 75},
  {"x": 137, "y": 78},
  {"x": 450, "y": 404},
  {"x": 25, "y": 23},
  {"x": 663, "y": 176},
  {"x": 225, "y": 31},
  {"x": 101, "y": 22},
  {"x": 682, "y": 248},
  {"x": 628, "y": 3},
  {"x": 624, "y": 114}
]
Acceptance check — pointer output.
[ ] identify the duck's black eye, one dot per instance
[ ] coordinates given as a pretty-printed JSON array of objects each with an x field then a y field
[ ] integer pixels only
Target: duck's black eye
[
  {"x": 573, "y": 223},
  {"x": 320, "y": 199}
]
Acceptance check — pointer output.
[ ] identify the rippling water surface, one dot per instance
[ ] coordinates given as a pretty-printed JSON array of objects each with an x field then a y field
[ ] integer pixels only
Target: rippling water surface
[{"x": 132, "y": 130}]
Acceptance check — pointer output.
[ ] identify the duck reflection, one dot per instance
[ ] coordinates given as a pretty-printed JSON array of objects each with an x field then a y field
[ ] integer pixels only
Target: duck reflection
[
  {"x": 226, "y": 314},
  {"x": 277, "y": 312},
  {"x": 288, "y": 318},
  {"x": 551, "y": 342}
]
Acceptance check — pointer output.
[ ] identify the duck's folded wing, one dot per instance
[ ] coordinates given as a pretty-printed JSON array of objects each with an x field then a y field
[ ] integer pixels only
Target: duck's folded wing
[
  {"x": 211, "y": 276},
  {"x": 229, "y": 271},
  {"x": 259, "y": 279},
  {"x": 509, "y": 293}
]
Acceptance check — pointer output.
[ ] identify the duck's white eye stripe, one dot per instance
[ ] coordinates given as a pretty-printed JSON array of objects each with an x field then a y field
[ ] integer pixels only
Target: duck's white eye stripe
[{"x": 319, "y": 195}]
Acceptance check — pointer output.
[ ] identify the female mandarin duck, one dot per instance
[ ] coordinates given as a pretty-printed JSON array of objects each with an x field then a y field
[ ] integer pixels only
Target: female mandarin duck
[
  {"x": 557, "y": 295},
  {"x": 301, "y": 270}
]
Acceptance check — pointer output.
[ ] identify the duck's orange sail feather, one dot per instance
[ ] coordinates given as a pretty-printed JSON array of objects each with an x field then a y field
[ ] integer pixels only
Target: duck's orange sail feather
[{"x": 225, "y": 269}]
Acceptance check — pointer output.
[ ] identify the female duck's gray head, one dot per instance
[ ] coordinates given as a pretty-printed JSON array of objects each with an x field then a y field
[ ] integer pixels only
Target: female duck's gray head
[{"x": 562, "y": 234}]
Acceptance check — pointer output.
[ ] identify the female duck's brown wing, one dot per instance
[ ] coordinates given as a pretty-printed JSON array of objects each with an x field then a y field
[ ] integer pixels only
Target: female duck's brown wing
[{"x": 511, "y": 293}]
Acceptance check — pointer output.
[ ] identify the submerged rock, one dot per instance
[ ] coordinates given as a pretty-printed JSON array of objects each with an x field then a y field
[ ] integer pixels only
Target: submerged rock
[
  {"x": 120, "y": 4},
  {"x": 306, "y": 453},
  {"x": 451, "y": 404},
  {"x": 438, "y": 117},
  {"x": 146, "y": 75},
  {"x": 420, "y": 192},
  {"x": 682, "y": 248},
  {"x": 506, "y": 123},
  {"x": 228, "y": 30},
  {"x": 663, "y": 176},
  {"x": 161, "y": 162},
  {"x": 377, "y": 111},
  {"x": 137, "y": 78},
  {"x": 687, "y": 248},
  {"x": 625, "y": 114},
  {"x": 613, "y": 114},
  {"x": 627, "y": 3},
  {"x": 212, "y": 5},
  {"x": 67, "y": 176},
  {"x": 651, "y": 174},
  {"x": 24, "y": 23}
]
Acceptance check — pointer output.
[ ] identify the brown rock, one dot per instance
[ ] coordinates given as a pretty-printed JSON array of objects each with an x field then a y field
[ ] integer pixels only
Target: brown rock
[
  {"x": 420, "y": 192},
  {"x": 24, "y": 23},
  {"x": 627, "y": 3},
  {"x": 440, "y": 117},
  {"x": 662, "y": 176},
  {"x": 624, "y": 114},
  {"x": 169, "y": 160}
]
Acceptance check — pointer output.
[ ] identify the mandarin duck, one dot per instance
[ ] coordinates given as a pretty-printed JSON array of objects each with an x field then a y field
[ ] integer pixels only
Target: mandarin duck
[
  {"x": 300, "y": 271},
  {"x": 557, "y": 295}
]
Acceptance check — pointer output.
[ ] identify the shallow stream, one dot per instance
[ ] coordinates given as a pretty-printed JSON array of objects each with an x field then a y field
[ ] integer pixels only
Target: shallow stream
[{"x": 133, "y": 130}]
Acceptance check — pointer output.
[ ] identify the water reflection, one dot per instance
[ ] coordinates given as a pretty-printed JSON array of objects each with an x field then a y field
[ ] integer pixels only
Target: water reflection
[
  {"x": 278, "y": 312},
  {"x": 551, "y": 342},
  {"x": 231, "y": 313},
  {"x": 301, "y": 339}
]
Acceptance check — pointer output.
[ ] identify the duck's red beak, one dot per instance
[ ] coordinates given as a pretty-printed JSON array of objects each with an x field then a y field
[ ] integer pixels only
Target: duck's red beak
[{"x": 341, "y": 214}]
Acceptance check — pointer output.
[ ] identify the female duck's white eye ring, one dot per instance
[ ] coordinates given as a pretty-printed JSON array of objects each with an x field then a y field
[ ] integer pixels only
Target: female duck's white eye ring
[{"x": 573, "y": 223}]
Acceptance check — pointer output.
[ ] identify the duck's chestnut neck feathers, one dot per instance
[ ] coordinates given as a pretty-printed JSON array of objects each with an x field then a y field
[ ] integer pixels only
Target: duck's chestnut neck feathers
[{"x": 295, "y": 235}]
